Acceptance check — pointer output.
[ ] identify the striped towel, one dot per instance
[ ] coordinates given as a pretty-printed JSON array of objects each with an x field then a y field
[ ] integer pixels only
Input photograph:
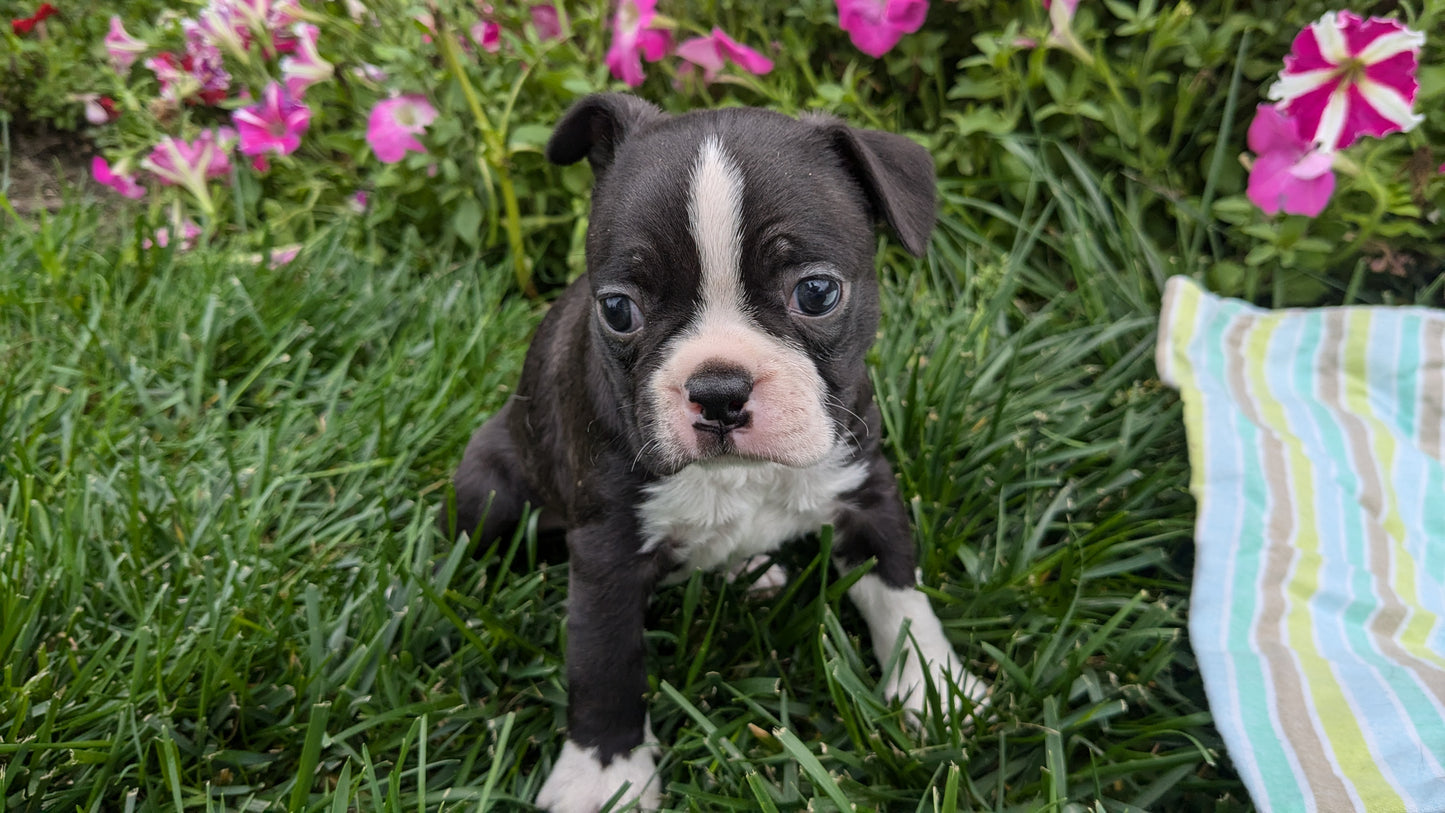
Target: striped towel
[{"x": 1317, "y": 445}]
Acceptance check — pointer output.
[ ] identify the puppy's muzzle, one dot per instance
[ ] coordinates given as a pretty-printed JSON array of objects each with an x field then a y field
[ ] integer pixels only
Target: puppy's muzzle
[{"x": 719, "y": 395}]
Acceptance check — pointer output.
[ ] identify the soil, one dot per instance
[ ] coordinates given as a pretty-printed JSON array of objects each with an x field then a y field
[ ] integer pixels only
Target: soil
[{"x": 41, "y": 165}]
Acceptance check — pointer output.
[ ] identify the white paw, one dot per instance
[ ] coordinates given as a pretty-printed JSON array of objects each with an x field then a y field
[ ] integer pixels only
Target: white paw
[
  {"x": 768, "y": 583},
  {"x": 926, "y": 650},
  {"x": 580, "y": 784},
  {"x": 907, "y": 682}
]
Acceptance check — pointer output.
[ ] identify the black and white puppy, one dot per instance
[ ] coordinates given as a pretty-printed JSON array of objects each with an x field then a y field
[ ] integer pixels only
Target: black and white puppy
[{"x": 700, "y": 396}]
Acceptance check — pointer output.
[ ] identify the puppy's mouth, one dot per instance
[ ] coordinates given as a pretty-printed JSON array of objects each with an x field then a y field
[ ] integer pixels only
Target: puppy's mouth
[{"x": 716, "y": 438}]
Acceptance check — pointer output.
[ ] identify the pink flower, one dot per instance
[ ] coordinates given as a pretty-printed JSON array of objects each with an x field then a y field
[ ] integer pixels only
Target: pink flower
[
  {"x": 204, "y": 63},
  {"x": 358, "y": 200},
  {"x": 875, "y": 26},
  {"x": 223, "y": 28},
  {"x": 282, "y": 256},
  {"x": 189, "y": 231},
  {"x": 488, "y": 35},
  {"x": 393, "y": 124},
  {"x": 370, "y": 73},
  {"x": 176, "y": 83},
  {"x": 98, "y": 109},
  {"x": 1061, "y": 18},
  {"x": 306, "y": 67},
  {"x": 1290, "y": 173},
  {"x": 122, "y": 182},
  {"x": 123, "y": 49},
  {"x": 1346, "y": 77},
  {"x": 195, "y": 75},
  {"x": 191, "y": 164},
  {"x": 268, "y": 20},
  {"x": 712, "y": 52},
  {"x": 275, "y": 125},
  {"x": 547, "y": 22},
  {"x": 633, "y": 40}
]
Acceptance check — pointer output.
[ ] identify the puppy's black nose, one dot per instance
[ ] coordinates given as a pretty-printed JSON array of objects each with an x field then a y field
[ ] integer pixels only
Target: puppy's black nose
[{"x": 722, "y": 393}]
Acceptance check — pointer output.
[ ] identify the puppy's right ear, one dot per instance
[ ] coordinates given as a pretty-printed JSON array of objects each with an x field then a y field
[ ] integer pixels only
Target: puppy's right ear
[{"x": 596, "y": 126}]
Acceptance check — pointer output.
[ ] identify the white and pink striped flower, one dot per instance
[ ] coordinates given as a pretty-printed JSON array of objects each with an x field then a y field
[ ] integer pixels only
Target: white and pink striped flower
[
  {"x": 123, "y": 49},
  {"x": 1347, "y": 76},
  {"x": 305, "y": 67},
  {"x": 192, "y": 164}
]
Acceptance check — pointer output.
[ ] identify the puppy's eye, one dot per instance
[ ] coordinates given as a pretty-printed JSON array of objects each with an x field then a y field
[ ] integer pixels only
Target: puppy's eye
[
  {"x": 620, "y": 313},
  {"x": 816, "y": 296}
]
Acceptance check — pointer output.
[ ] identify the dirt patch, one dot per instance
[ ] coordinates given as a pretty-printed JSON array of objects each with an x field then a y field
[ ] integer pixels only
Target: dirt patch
[{"x": 41, "y": 165}]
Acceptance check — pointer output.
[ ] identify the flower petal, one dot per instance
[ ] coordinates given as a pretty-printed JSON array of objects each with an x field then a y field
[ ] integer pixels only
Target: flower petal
[
  {"x": 1386, "y": 109},
  {"x": 907, "y": 15},
  {"x": 1386, "y": 38},
  {"x": 746, "y": 58},
  {"x": 1313, "y": 165},
  {"x": 654, "y": 43},
  {"x": 703, "y": 52},
  {"x": 1274, "y": 187},
  {"x": 1330, "y": 131},
  {"x": 1273, "y": 131},
  {"x": 1293, "y": 85},
  {"x": 1397, "y": 72},
  {"x": 1329, "y": 34}
]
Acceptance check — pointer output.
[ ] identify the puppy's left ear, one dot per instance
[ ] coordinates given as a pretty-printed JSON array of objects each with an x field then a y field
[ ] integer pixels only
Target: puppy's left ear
[{"x": 898, "y": 176}]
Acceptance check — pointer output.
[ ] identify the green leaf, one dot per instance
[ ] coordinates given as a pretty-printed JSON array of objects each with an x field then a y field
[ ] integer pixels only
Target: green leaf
[{"x": 467, "y": 221}]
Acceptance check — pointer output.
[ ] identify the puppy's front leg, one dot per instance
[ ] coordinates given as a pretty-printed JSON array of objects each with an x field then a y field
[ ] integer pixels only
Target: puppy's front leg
[
  {"x": 875, "y": 524},
  {"x": 607, "y": 741}
]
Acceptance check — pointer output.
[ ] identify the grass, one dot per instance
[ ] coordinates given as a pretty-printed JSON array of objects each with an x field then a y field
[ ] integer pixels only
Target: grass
[{"x": 221, "y": 590}]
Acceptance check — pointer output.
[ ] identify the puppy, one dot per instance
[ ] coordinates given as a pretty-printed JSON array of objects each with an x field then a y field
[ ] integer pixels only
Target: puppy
[{"x": 700, "y": 396}]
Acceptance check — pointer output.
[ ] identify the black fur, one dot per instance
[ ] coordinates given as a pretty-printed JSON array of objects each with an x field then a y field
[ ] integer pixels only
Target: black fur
[{"x": 573, "y": 438}]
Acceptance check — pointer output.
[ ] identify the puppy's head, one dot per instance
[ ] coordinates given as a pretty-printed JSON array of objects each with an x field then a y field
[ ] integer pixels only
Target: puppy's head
[{"x": 730, "y": 256}]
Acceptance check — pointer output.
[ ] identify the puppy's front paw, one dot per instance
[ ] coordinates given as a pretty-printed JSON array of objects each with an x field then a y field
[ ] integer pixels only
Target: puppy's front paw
[
  {"x": 907, "y": 682},
  {"x": 580, "y": 783}
]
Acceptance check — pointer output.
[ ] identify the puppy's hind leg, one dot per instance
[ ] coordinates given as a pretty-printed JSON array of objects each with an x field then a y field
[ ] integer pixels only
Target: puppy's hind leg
[{"x": 490, "y": 492}]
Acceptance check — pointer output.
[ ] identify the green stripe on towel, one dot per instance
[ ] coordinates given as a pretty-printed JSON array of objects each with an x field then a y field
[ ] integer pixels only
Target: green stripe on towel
[{"x": 1317, "y": 448}]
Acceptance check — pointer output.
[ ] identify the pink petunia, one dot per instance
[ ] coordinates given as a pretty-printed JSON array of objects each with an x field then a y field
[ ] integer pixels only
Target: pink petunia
[
  {"x": 1346, "y": 77},
  {"x": 98, "y": 109},
  {"x": 393, "y": 125},
  {"x": 275, "y": 125},
  {"x": 1290, "y": 173},
  {"x": 177, "y": 84},
  {"x": 875, "y": 26},
  {"x": 204, "y": 63},
  {"x": 122, "y": 48},
  {"x": 224, "y": 29},
  {"x": 633, "y": 39},
  {"x": 488, "y": 35},
  {"x": 305, "y": 67},
  {"x": 192, "y": 164},
  {"x": 715, "y": 50},
  {"x": 122, "y": 182},
  {"x": 188, "y": 231},
  {"x": 1061, "y": 35},
  {"x": 546, "y": 22}
]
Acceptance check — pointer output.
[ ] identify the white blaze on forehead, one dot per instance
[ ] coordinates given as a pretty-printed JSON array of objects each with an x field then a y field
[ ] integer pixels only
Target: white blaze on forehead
[
  {"x": 788, "y": 421},
  {"x": 714, "y": 214}
]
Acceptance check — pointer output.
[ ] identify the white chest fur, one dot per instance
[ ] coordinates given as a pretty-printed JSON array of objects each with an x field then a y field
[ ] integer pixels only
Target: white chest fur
[{"x": 720, "y": 512}]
